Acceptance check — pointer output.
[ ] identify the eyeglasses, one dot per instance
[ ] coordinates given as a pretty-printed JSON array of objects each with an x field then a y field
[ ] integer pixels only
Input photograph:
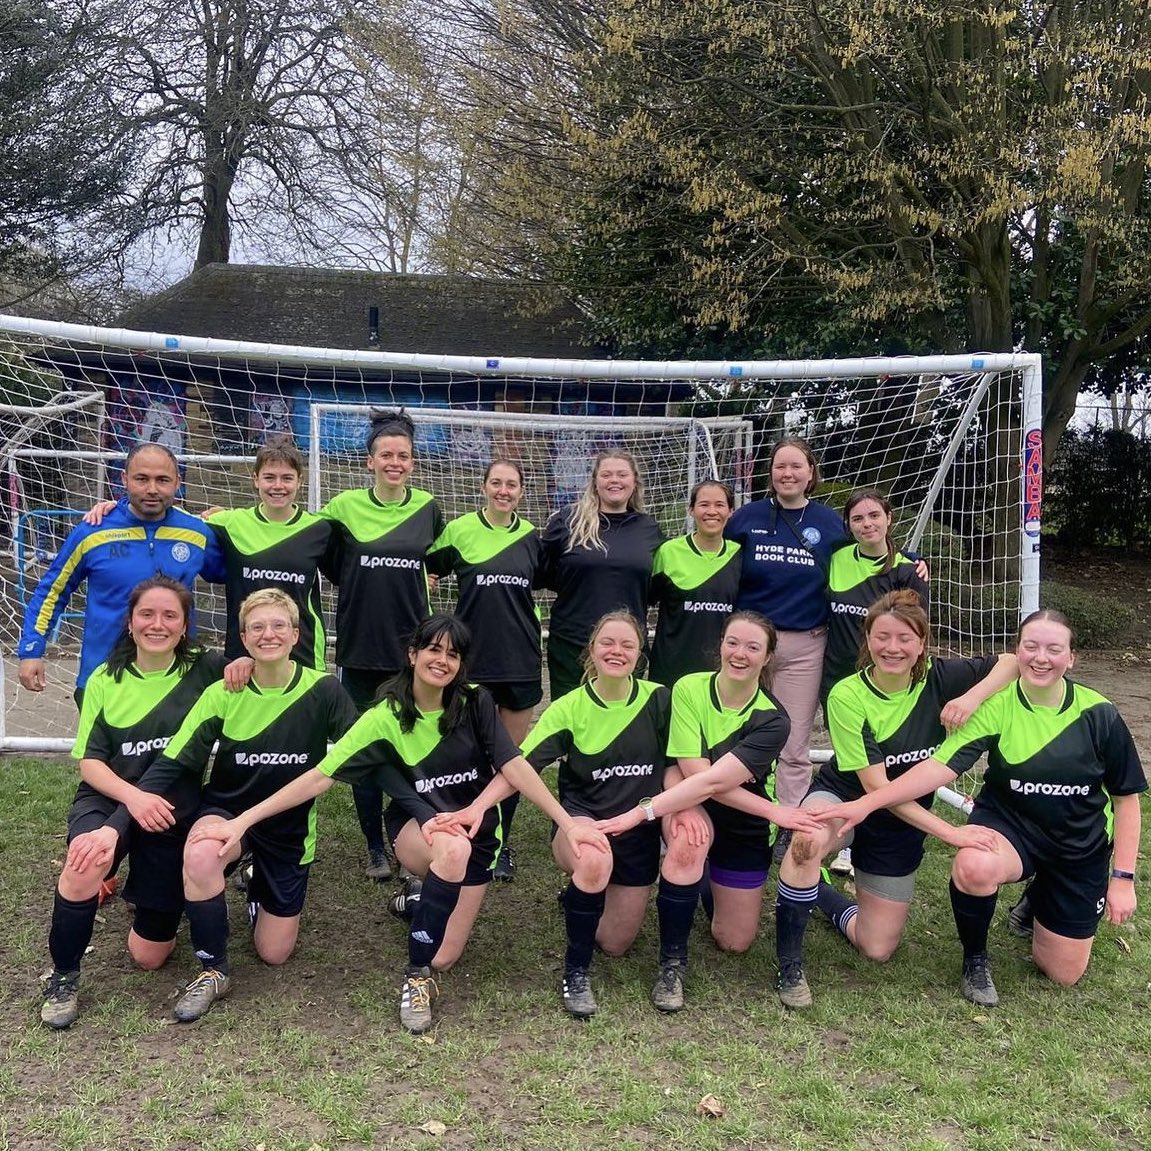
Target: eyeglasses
[{"x": 276, "y": 627}]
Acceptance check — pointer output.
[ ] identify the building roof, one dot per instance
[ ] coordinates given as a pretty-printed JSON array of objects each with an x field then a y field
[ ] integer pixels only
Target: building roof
[{"x": 315, "y": 307}]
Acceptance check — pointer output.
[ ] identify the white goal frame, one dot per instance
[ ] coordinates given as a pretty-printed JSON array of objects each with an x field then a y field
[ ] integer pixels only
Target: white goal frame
[{"x": 715, "y": 375}]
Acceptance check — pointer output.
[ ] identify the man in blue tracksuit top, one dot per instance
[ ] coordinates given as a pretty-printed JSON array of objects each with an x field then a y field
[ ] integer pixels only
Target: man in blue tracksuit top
[{"x": 141, "y": 537}]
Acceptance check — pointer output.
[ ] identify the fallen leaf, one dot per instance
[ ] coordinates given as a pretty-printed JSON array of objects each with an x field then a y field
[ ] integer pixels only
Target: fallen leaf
[
  {"x": 1124, "y": 946},
  {"x": 710, "y": 1107},
  {"x": 434, "y": 1127}
]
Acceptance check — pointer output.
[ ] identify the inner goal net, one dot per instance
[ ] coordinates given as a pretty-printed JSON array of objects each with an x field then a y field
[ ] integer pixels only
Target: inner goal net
[{"x": 952, "y": 440}]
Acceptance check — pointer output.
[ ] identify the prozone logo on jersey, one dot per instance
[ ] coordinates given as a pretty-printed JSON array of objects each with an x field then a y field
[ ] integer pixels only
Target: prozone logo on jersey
[
  {"x": 435, "y": 781},
  {"x": 145, "y": 745},
  {"x": 280, "y": 577},
  {"x": 389, "y": 562},
  {"x": 707, "y": 605},
  {"x": 271, "y": 759},
  {"x": 619, "y": 769},
  {"x": 907, "y": 757},
  {"x": 1026, "y": 787},
  {"x": 506, "y": 580}
]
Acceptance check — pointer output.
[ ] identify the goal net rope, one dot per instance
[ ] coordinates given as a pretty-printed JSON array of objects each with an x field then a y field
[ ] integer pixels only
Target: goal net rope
[{"x": 953, "y": 441}]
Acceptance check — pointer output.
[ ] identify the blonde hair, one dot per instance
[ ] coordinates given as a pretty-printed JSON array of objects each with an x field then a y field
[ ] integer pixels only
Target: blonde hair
[
  {"x": 621, "y": 615},
  {"x": 584, "y": 522},
  {"x": 269, "y": 597}
]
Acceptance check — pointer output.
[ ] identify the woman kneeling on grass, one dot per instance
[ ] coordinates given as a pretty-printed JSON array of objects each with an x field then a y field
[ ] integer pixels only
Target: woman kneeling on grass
[
  {"x": 726, "y": 735},
  {"x": 1062, "y": 773},
  {"x": 133, "y": 704},
  {"x": 610, "y": 737},
  {"x": 435, "y": 745},
  {"x": 267, "y": 734},
  {"x": 884, "y": 719}
]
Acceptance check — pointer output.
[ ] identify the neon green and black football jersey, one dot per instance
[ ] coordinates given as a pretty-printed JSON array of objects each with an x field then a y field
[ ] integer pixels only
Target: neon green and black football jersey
[
  {"x": 1050, "y": 771},
  {"x": 495, "y": 568},
  {"x": 869, "y": 726},
  {"x": 127, "y": 724},
  {"x": 695, "y": 592},
  {"x": 702, "y": 728},
  {"x": 379, "y": 566},
  {"x": 612, "y": 753},
  {"x": 260, "y": 553},
  {"x": 424, "y": 771},
  {"x": 854, "y": 583},
  {"x": 267, "y": 737}
]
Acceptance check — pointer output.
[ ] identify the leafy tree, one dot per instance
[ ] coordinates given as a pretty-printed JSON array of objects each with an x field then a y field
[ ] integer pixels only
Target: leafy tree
[
  {"x": 819, "y": 176},
  {"x": 62, "y": 206}
]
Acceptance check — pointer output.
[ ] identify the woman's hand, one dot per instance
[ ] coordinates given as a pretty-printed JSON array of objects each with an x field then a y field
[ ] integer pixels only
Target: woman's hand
[
  {"x": 625, "y": 821},
  {"x": 94, "y": 516},
  {"x": 848, "y": 815},
  {"x": 466, "y": 821},
  {"x": 151, "y": 812},
  {"x": 229, "y": 833},
  {"x": 691, "y": 824},
  {"x": 581, "y": 835},
  {"x": 1121, "y": 901},
  {"x": 972, "y": 835},
  {"x": 958, "y": 711},
  {"x": 238, "y": 672},
  {"x": 798, "y": 818},
  {"x": 94, "y": 849}
]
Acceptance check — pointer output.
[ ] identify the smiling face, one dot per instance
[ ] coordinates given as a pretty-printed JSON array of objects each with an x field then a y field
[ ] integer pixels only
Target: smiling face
[
  {"x": 391, "y": 461},
  {"x": 744, "y": 651},
  {"x": 615, "y": 649},
  {"x": 869, "y": 524},
  {"x": 277, "y": 485},
  {"x": 895, "y": 647},
  {"x": 614, "y": 484},
  {"x": 151, "y": 480},
  {"x": 792, "y": 474},
  {"x": 158, "y": 622},
  {"x": 710, "y": 509},
  {"x": 268, "y": 633},
  {"x": 503, "y": 489},
  {"x": 436, "y": 665},
  {"x": 1045, "y": 654}
]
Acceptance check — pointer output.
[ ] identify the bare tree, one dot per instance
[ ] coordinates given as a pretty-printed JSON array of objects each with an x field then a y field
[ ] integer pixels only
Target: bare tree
[{"x": 241, "y": 105}]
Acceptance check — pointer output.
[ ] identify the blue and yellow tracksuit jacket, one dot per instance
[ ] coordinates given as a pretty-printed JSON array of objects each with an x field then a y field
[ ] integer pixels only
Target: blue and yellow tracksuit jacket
[{"x": 113, "y": 558}]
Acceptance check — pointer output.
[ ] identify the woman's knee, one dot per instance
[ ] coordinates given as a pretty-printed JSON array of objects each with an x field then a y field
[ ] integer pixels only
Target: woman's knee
[
  {"x": 593, "y": 870},
  {"x": 202, "y": 862},
  {"x": 732, "y": 938},
  {"x": 147, "y": 954},
  {"x": 275, "y": 952},
  {"x": 807, "y": 848},
  {"x": 877, "y": 950},
  {"x": 976, "y": 872},
  {"x": 450, "y": 853},
  {"x": 78, "y": 886}
]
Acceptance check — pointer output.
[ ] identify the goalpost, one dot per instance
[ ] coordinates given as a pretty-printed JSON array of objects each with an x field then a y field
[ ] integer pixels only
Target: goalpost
[{"x": 954, "y": 441}]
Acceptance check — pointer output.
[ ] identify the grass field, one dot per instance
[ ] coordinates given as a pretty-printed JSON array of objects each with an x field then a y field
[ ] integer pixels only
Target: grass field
[{"x": 310, "y": 1056}]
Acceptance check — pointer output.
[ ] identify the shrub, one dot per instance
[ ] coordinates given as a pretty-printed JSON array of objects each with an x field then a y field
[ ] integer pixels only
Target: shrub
[
  {"x": 1099, "y": 621},
  {"x": 1098, "y": 491}
]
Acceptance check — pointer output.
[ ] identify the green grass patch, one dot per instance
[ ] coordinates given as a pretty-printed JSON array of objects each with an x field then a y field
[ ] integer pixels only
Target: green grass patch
[{"x": 310, "y": 1057}]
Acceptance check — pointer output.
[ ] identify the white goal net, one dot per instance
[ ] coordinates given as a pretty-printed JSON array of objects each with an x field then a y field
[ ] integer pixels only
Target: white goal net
[{"x": 953, "y": 441}]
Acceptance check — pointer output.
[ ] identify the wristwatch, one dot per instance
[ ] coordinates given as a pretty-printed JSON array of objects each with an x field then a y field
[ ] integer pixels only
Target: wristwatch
[
  {"x": 1118, "y": 873},
  {"x": 645, "y": 805}
]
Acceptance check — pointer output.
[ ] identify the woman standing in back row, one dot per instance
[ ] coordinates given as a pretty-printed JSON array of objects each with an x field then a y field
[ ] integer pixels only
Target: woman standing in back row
[
  {"x": 382, "y": 535},
  {"x": 786, "y": 543},
  {"x": 494, "y": 555},
  {"x": 597, "y": 558}
]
